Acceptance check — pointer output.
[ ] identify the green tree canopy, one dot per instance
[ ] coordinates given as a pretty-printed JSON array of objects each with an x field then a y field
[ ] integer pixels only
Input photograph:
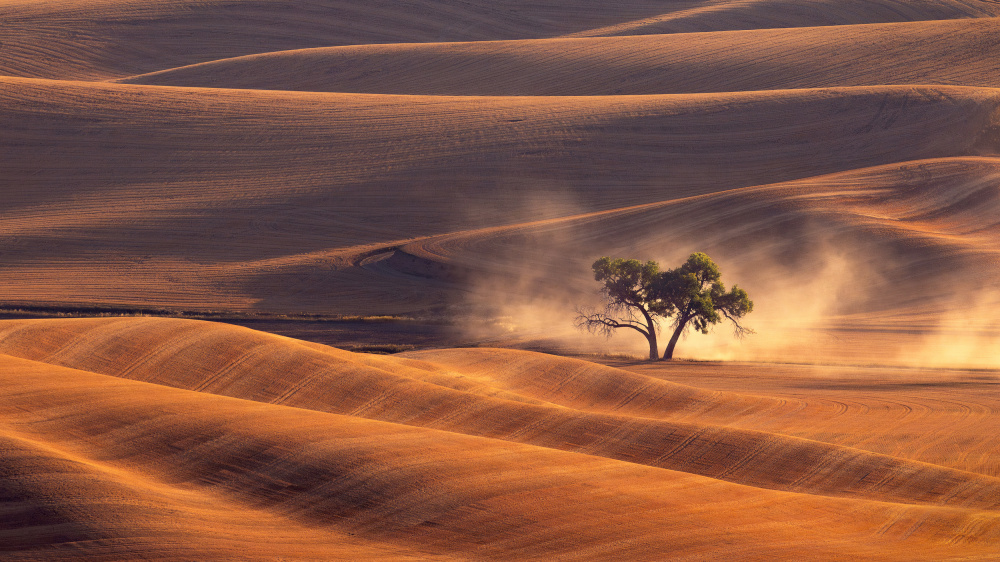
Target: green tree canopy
[
  {"x": 695, "y": 296},
  {"x": 638, "y": 294},
  {"x": 629, "y": 302}
]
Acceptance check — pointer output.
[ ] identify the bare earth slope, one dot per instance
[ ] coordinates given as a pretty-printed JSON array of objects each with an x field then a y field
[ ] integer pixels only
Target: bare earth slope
[
  {"x": 758, "y": 14},
  {"x": 101, "y": 39},
  {"x": 592, "y": 411},
  {"x": 198, "y": 198},
  {"x": 86, "y": 453},
  {"x": 225, "y": 198},
  {"x": 113, "y": 38},
  {"x": 936, "y": 52}
]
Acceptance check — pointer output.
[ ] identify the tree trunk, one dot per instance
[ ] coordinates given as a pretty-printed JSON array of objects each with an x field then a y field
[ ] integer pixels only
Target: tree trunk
[
  {"x": 654, "y": 352},
  {"x": 669, "y": 353}
]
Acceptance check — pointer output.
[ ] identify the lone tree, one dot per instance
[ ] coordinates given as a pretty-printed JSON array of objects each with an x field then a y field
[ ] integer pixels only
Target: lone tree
[
  {"x": 630, "y": 303},
  {"x": 638, "y": 294}
]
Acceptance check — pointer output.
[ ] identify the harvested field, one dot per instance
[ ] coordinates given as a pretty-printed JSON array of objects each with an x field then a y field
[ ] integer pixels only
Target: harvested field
[{"x": 390, "y": 210}]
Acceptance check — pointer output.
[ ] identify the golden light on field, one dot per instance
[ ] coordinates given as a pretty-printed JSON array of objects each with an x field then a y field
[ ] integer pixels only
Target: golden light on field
[{"x": 437, "y": 178}]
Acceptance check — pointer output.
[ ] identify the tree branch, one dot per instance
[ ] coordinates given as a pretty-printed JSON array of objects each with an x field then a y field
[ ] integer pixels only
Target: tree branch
[
  {"x": 739, "y": 331},
  {"x": 606, "y": 323}
]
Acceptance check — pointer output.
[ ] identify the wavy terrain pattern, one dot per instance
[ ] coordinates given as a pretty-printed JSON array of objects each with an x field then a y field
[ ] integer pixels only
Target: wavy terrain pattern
[
  {"x": 447, "y": 171},
  {"x": 113, "y": 428}
]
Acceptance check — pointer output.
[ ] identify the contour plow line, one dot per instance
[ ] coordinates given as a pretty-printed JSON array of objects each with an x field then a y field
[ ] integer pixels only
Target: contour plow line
[
  {"x": 388, "y": 482},
  {"x": 320, "y": 382},
  {"x": 954, "y": 52}
]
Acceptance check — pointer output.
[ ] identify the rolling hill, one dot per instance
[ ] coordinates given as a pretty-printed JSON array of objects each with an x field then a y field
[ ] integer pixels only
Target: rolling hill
[{"x": 102, "y": 464}]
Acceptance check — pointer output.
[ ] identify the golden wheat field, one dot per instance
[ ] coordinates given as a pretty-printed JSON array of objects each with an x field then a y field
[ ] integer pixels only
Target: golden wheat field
[{"x": 212, "y": 210}]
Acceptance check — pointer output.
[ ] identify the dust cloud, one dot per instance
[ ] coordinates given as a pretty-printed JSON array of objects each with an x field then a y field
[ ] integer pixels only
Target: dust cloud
[
  {"x": 964, "y": 334},
  {"x": 792, "y": 307},
  {"x": 819, "y": 297},
  {"x": 536, "y": 307}
]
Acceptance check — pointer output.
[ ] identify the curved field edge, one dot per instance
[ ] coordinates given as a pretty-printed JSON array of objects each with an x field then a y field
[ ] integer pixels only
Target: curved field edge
[
  {"x": 411, "y": 486},
  {"x": 111, "y": 38},
  {"x": 187, "y": 225},
  {"x": 958, "y": 52},
  {"x": 762, "y": 14},
  {"x": 64, "y": 500},
  {"x": 241, "y": 363}
]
